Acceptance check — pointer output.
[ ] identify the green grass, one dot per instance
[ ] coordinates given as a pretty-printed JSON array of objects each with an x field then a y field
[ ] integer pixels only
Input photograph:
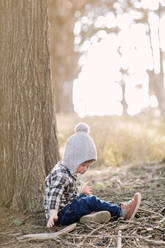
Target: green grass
[{"x": 119, "y": 140}]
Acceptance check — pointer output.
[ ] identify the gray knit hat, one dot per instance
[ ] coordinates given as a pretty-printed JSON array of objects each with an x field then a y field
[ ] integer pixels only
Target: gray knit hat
[{"x": 79, "y": 148}]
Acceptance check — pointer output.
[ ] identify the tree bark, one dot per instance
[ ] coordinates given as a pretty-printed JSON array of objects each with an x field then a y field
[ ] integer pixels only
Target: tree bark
[{"x": 28, "y": 141}]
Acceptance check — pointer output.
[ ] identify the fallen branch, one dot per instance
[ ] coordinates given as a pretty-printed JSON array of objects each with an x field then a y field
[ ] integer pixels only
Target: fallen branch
[{"x": 44, "y": 236}]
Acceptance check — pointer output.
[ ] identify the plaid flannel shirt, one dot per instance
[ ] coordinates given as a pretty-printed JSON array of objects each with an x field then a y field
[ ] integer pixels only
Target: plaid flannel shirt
[{"x": 60, "y": 189}]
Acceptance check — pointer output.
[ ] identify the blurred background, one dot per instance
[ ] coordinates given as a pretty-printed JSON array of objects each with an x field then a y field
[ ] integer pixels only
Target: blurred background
[{"x": 107, "y": 59}]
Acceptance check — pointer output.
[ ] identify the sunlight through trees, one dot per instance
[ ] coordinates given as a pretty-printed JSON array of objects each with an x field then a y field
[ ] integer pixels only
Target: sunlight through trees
[{"x": 109, "y": 37}]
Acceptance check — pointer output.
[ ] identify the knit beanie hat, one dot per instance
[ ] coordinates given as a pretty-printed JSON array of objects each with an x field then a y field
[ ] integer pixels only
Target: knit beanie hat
[{"x": 79, "y": 148}]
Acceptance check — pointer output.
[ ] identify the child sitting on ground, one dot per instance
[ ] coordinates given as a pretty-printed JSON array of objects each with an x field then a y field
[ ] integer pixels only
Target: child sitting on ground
[{"x": 63, "y": 205}]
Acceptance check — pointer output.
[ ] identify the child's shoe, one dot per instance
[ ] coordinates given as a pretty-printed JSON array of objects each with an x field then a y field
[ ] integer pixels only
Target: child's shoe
[
  {"x": 131, "y": 206},
  {"x": 98, "y": 217}
]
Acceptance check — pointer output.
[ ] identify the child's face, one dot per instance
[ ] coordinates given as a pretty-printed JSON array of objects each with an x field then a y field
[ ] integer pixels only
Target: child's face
[{"x": 84, "y": 167}]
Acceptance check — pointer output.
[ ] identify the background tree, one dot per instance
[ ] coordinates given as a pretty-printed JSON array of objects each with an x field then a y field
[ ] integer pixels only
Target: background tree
[
  {"x": 78, "y": 23},
  {"x": 156, "y": 75},
  {"x": 28, "y": 142},
  {"x": 63, "y": 57},
  {"x": 63, "y": 15}
]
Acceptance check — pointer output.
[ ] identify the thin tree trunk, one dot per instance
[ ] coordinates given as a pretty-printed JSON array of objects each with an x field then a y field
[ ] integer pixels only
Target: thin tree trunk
[
  {"x": 28, "y": 142},
  {"x": 123, "y": 102},
  {"x": 157, "y": 80}
]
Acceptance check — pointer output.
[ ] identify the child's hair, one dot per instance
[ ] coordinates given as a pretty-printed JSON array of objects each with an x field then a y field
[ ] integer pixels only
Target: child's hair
[{"x": 91, "y": 160}]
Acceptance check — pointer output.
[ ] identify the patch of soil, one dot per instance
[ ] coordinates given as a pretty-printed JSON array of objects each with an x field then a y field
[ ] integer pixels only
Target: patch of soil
[{"x": 147, "y": 229}]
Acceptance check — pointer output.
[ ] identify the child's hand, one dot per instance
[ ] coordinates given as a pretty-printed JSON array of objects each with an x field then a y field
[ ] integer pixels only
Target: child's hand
[
  {"x": 86, "y": 189},
  {"x": 53, "y": 218}
]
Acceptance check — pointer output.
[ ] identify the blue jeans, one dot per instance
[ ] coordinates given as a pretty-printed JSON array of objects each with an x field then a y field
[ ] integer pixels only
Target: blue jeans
[{"x": 84, "y": 205}]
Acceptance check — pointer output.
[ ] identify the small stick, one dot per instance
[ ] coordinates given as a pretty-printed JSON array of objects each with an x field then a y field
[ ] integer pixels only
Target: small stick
[
  {"x": 151, "y": 212},
  {"x": 153, "y": 242},
  {"x": 162, "y": 220},
  {"x": 88, "y": 235}
]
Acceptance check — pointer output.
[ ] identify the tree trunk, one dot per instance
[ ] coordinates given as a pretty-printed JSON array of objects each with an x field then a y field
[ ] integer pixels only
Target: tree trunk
[
  {"x": 28, "y": 141},
  {"x": 123, "y": 102},
  {"x": 156, "y": 81},
  {"x": 160, "y": 80},
  {"x": 61, "y": 25}
]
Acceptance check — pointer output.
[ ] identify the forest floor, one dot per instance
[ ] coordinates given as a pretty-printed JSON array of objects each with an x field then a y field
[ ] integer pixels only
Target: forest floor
[{"x": 147, "y": 229}]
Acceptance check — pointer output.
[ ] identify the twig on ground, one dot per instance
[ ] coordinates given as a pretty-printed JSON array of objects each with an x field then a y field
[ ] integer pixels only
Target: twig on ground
[
  {"x": 101, "y": 226},
  {"x": 153, "y": 242},
  {"x": 151, "y": 212}
]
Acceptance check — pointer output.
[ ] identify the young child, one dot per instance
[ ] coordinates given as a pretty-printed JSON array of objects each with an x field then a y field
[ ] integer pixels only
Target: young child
[{"x": 63, "y": 204}]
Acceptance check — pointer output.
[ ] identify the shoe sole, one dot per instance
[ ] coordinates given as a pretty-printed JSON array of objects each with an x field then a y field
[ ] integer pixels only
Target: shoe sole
[
  {"x": 98, "y": 217},
  {"x": 137, "y": 206}
]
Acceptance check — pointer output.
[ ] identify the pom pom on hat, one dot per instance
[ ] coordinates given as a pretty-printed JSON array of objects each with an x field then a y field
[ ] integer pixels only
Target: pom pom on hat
[{"x": 82, "y": 127}]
